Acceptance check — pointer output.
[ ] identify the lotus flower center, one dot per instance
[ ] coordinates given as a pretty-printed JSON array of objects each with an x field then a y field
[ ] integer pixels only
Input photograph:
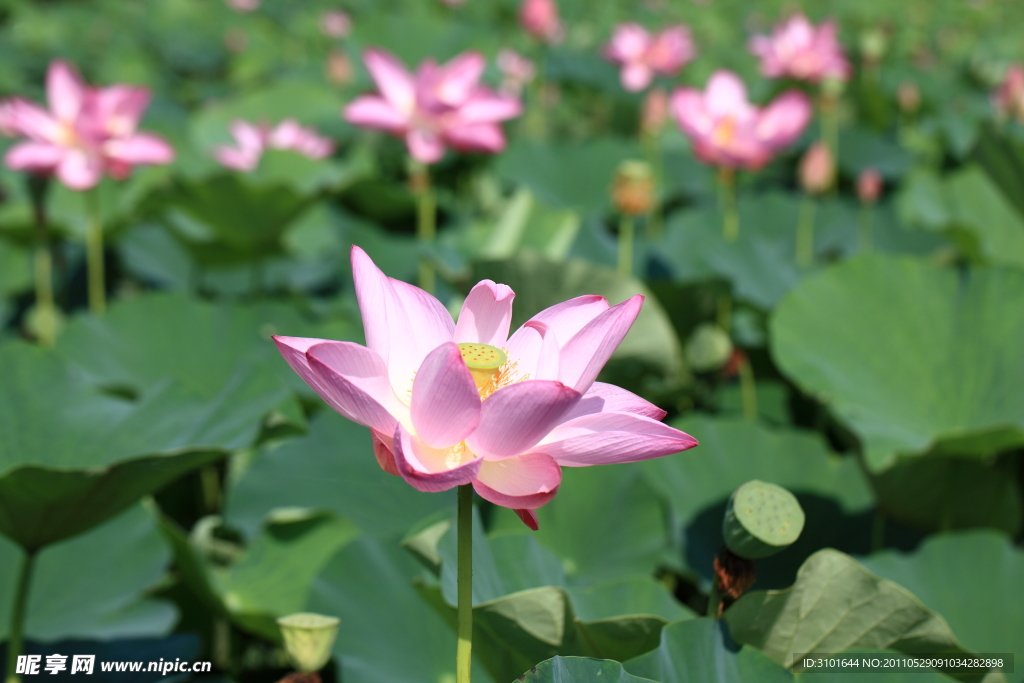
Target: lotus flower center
[
  {"x": 66, "y": 135},
  {"x": 488, "y": 365},
  {"x": 725, "y": 131}
]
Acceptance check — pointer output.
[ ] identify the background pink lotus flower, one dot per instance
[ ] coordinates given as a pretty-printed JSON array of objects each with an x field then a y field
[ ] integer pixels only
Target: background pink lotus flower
[
  {"x": 438, "y": 107},
  {"x": 798, "y": 49},
  {"x": 517, "y": 72},
  {"x": 86, "y": 132},
  {"x": 726, "y": 130},
  {"x": 642, "y": 55},
  {"x": 457, "y": 403},
  {"x": 254, "y": 139},
  {"x": 540, "y": 19},
  {"x": 1008, "y": 99},
  {"x": 335, "y": 24},
  {"x": 244, "y": 5}
]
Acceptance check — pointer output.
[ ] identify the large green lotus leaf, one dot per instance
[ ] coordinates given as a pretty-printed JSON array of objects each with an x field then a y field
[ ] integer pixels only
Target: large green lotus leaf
[
  {"x": 697, "y": 484},
  {"x": 1002, "y": 157},
  {"x": 944, "y": 493},
  {"x": 701, "y": 651},
  {"x": 977, "y": 204},
  {"x": 331, "y": 468},
  {"x": 524, "y": 613},
  {"x": 93, "y": 586},
  {"x": 273, "y": 575},
  {"x": 576, "y": 176},
  {"x": 974, "y": 579},
  {"x": 579, "y": 670},
  {"x": 387, "y": 633},
  {"x": 521, "y": 222},
  {"x": 615, "y": 500},
  {"x": 72, "y": 457},
  {"x": 848, "y": 335},
  {"x": 761, "y": 262},
  {"x": 539, "y": 283},
  {"x": 860, "y": 149},
  {"x": 143, "y": 341},
  {"x": 837, "y": 605}
]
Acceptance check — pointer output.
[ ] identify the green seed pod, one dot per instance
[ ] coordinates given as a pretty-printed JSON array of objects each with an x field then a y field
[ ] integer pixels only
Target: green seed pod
[
  {"x": 761, "y": 520},
  {"x": 709, "y": 348},
  {"x": 308, "y": 638}
]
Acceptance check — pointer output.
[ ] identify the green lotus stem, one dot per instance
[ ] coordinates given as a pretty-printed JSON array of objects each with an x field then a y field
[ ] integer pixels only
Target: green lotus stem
[
  {"x": 655, "y": 224},
  {"x": 43, "y": 275},
  {"x": 714, "y": 600},
  {"x": 94, "y": 255},
  {"x": 627, "y": 234},
  {"x": 426, "y": 227},
  {"x": 748, "y": 390},
  {"x": 805, "y": 232},
  {"x": 878, "y": 531},
  {"x": 464, "y": 650},
  {"x": 724, "y": 316},
  {"x": 727, "y": 197},
  {"x": 537, "y": 117},
  {"x": 865, "y": 238},
  {"x": 14, "y": 641}
]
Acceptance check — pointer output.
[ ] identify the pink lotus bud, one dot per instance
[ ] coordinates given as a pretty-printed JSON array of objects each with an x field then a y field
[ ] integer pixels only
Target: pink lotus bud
[
  {"x": 817, "y": 169},
  {"x": 339, "y": 68},
  {"x": 869, "y": 186},
  {"x": 1008, "y": 99},
  {"x": 540, "y": 19},
  {"x": 909, "y": 97},
  {"x": 633, "y": 190},
  {"x": 655, "y": 112},
  {"x": 335, "y": 24}
]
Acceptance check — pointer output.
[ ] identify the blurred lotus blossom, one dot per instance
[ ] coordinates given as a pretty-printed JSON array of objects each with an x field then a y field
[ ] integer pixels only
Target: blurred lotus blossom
[
  {"x": 1008, "y": 99},
  {"x": 440, "y": 106},
  {"x": 817, "y": 169},
  {"x": 869, "y": 186},
  {"x": 728, "y": 131},
  {"x": 253, "y": 140},
  {"x": 86, "y": 132},
  {"x": 457, "y": 403},
  {"x": 517, "y": 72},
  {"x": 335, "y": 24},
  {"x": 540, "y": 19},
  {"x": 244, "y": 5},
  {"x": 642, "y": 55},
  {"x": 654, "y": 113},
  {"x": 797, "y": 49}
]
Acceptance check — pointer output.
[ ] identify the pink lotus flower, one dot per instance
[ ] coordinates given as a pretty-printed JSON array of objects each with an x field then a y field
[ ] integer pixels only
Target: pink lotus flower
[
  {"x": 457, "y": 403},
  {"x": 441, "y": 106},
  {"x": 799, "y": 50},
  {"x": 254, "y": 139},
  {"x": 86, "y": 132},
  {"x": 1008, "y": 99},
  {"x": 726, "y": 130},
  {"x": 642, "y": 55},
  {"x": 244, "y": 5},
  {"x": 517, "y": 71},
  {"x": 540, "y": 19}
]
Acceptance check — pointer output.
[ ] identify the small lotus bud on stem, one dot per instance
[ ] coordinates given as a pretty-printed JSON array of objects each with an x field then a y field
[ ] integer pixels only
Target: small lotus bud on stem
[
  {"x": 709, "y": 348},
  {"x": 908, "y": 96},
  {"x": 734, "y": 575},
  {"x": 339, "y": 68},
  {"x": 817, "y": 169},
  {"x": 633, "y": 191},
  {"x": 869, "y": 186},
  {"x": 296, "y": 677},
  {"x": 655, "y": 112},
  {"x": 873, "y": 44}
]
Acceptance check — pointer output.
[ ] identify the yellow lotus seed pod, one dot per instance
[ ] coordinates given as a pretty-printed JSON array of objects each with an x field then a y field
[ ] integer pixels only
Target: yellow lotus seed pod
[{"x": 308, "y": 638}]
